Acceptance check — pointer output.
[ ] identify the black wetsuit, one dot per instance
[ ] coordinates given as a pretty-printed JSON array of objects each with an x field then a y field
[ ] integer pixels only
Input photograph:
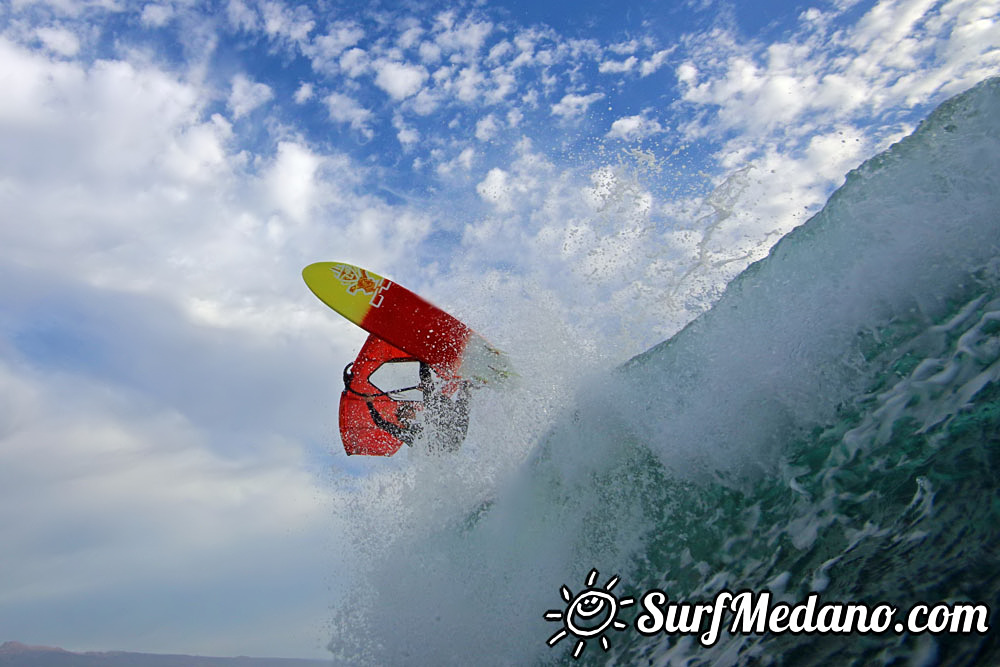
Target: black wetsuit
[
  {"x": 447, "y": 419},
  {"x": 404, "y": 432}
]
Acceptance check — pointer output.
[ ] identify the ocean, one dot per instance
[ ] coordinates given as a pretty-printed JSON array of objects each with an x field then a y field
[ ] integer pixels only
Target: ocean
[{"x": 831, "y": 425}]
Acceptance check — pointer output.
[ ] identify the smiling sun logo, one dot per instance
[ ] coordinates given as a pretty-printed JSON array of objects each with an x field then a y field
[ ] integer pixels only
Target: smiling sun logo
[{"x": 588, "y": 614}]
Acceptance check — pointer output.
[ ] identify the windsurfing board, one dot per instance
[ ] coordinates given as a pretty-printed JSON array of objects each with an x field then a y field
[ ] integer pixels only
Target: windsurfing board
[{"x": 407, "y": 321}]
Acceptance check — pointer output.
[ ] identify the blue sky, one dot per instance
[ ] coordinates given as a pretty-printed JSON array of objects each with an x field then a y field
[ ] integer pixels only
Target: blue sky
[{"x": 581, "y": 179}]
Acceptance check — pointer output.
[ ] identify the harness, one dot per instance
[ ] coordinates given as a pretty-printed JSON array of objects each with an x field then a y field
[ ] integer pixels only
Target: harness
[{"x": 348, "y": 377}]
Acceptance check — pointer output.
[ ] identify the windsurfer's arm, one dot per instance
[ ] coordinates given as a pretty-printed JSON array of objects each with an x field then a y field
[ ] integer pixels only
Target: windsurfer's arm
[{"x": 405, "y": 435}]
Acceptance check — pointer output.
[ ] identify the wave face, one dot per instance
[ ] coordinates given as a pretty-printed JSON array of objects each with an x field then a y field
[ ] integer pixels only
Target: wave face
[{"x": 830, "y": 425}]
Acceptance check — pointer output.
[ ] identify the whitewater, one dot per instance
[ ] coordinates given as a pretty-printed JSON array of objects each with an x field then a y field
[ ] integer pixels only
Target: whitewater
[{"x": 830, "y": 425}]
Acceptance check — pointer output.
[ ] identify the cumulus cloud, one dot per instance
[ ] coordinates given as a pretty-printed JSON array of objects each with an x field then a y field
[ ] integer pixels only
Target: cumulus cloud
[
  {"x": 618, "y": 66},
  {"x": 174, "y": 416},
  {"x": 59, "y": 40},
  {"x": 426, "y": 102},
  {"x": 340, "y": 36},
  {"x": 304, "y": 93},
  {"x": 633, "y": 127},
  {"x": 246, "y": 95},
  {"x": 156, "y": 16},
  {"x": 410, "y": 35},
  {"x": 654, "y": 62},
  {"x": 467, "y": 36},
  {"x": 406, "y": 134},
  {"x": 574, "y": 105},
  {"x": 893, "y": 54},
  {"x": 326, "y": 49},
  {"x": 495, "y": 189},
  {"x": 504, "y": 83},
  {"x": 430, "y": 53},
  {"x": 154, "y": 505},
  {"x": 461, "y": 162},
  {"x": 345, "y": 109},
  {"x": 354, "y": 62},
  {"x": 499, "y": 50},
  {"x": 467, "y": 83},
  {"x": 241, "y": 16},
  {"x": 399, "y": 80},
  {"x": 486, "y": 128},
  {"x": 625, "y": 48},
  {"x": 283, "y": 22},
  {"x": 292, "y": 181}
]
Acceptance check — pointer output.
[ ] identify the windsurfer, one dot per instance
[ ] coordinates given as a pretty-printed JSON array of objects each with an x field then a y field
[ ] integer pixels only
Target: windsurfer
[{"x": 446, "y": 419}]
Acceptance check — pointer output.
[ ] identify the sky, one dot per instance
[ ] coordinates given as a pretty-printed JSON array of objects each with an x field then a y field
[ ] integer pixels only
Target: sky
[{"x": 171, "y": 478}]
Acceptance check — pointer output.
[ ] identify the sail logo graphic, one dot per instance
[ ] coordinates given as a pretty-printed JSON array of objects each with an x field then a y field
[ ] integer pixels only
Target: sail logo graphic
[
  {"x": 588, "y": 614},
  {"x": 359, "y": 280}
]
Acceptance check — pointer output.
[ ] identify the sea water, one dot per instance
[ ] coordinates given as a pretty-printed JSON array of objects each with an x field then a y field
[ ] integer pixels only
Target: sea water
[{"x": 831, "y": 426}]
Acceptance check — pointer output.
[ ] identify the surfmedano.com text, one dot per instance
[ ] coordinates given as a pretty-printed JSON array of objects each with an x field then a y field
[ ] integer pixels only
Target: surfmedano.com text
[{"x": 755, "y": 613}]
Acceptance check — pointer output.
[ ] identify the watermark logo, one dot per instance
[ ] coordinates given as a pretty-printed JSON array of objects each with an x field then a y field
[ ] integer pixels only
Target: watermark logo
[
  {"x": 593, "y": 611},
  {"x": 588, "y": 614}
]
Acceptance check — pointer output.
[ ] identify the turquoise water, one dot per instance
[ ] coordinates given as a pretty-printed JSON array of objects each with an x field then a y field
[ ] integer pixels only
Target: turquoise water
[{"x": 830, "y": 425}]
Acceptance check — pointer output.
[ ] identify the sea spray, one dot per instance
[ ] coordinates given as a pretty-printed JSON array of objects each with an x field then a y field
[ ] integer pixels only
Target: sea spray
[{"x": 829, "y": 426}]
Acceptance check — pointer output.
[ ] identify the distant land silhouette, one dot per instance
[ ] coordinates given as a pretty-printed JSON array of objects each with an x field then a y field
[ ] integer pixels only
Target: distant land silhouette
[{"x": 15, "y": 654}]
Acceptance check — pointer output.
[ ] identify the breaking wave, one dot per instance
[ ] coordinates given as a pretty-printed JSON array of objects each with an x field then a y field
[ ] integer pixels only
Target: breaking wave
[{"x": 831, "y": 424}]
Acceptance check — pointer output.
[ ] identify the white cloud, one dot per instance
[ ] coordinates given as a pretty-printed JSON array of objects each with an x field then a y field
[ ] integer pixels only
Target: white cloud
[
  {"x": 156, "y": 16},
  {"x": 292, "y": 181},
  {"x": 326, "y": 49},
  {"x": 486, "y": 128},
  {"x": 304, "y": 93},
  {"x": 468, "y": 37},
  {"x": 499, "y": 50},
  {"x": 410, "y": 36},
  {"x": 406, "y": 134},
  {"x": 495, "y": 189},
  {"x": 426, "y": 102},
  {"x": 430, "y": 52},
  {"x": 625, "y": 48},
  {"x": 284, "y": 23},
  {"x": 59, "y": 40},
  {"x": 654, "y": 62},
  {"x": 147, "y": 122},
  {"x": 467, "y": 83},
  {"x": 790, "y": 108},
  {"x": 241, "y": 16},
  {"x": 618, "y": 66},
  {"x": 354, "y": 62},
  {"x": 466, "y": 157},
  {"x": 190, "y": 468},
  {"x": 524, "y": 42},
  {"x": 198, "y": 153},
  {"x": 247, "y": 95},
  {"x": 897, "y": 53},
  {"x": 633, "y": 127},
  {"x": 528, "y": 186},
  {"x": 345, "y": 109},
  {"x": 463, "y": 161},
  {"x": 399, "y": 80},
  {"x": 504, "y": 83},
  {"x": 574, "y": 105},
  {"x": 149, "y": 509}
]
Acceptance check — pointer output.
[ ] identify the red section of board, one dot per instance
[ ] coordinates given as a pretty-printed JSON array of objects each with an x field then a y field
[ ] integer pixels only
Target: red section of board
[
  {"x": 417, "y": 326},
  {"x": 357, "y": 430}
]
